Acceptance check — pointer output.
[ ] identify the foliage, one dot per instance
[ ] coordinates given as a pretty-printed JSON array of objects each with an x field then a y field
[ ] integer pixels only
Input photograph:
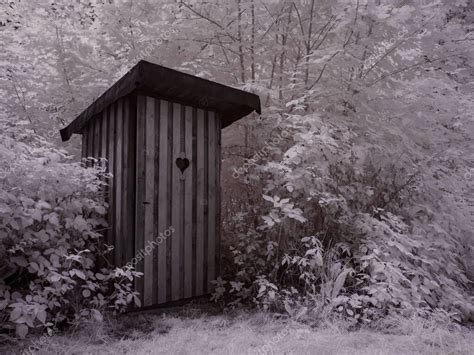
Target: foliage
[
  {"x": 54, "y": 269},
  {"x": 364, "y": 262}
]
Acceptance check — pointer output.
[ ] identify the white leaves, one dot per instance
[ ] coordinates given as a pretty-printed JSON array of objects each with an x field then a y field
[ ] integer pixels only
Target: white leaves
[
  {"x": 15, "y": 314},
  {"x": 97, "y": 315},
  {"x": 318, "y": 258},
  {"x": 137, "y": 301},
  {"x": 78, "y": 273},
  {"x": 41, "y": 316},
  {"x": 269, "y": 198},
  {"x": 100, "y": 210},
  {"x": 236, "y": 286},
  {"x": 43, "y": 205},
  {"x": 52, "y": 218},
  {"x": 4, "y": 208},
  {"x": 21, "y": 330},
  {"x": 272, "y": 218},
  {"x": 55, "y": 277},
  {"x": 301, "y": 312},
  {"x": 339, "y": 283},
  {"x": 283, "y": 208}
]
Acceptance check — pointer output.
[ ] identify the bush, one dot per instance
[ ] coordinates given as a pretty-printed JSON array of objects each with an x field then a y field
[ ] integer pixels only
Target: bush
[
  {"x": 51, "y": 246},
  {"x": 367, "y": 245}
]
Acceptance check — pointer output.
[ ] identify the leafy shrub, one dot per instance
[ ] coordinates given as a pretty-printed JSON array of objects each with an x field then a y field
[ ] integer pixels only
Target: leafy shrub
[
  {"x": 379, "y": 269},
  {"x": 54, "y": 269},
  {"x": 368, "y": 244}
]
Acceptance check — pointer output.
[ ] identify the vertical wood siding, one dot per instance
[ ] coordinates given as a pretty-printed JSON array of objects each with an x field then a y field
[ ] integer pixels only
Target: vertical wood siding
[{"x": 165, "y": 222}]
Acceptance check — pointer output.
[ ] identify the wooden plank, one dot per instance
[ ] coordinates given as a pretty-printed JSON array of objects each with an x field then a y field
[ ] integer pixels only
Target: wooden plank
[
  {"x": 98, "y": 142},
  {"x": 104, "y": 143},
  {"x": 84, "y": 143},
  {"x": 182, "y": 148},
  {"x": 140, "y": 194},
  {"x": 103, "y": 137},
  {"x": 149, "y": 200},
  {"x": 176, "y": 205},
  {"x": 125, "y": 211},
  {"x": 204, "y": 202},
  {"x": 194, "y": 197},
  {"x": 188, "y": 205},
  {"x": 118, "y": 182},
  {"x": 104, "y": 165},
  {"x": 169, "y": 178},
  {"x": 97, "y": 138},
  {"x": 211, "y": 202},
  {"x": 218, "y": 195},
  {"x": 90, "y": 141},
  {"x": 200, "y": 198},
  {"x": 111, "y": 170},
  {"x": 128, "y": 213},
  {"x": 163, "y": 192},
  {"x": 156, "y": 227}
]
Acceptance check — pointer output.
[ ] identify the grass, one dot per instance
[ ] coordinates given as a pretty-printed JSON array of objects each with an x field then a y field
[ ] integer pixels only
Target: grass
[{"x": 192, "y": 330}]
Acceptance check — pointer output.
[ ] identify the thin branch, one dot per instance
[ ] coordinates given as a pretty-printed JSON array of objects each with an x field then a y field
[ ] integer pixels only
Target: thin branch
[
  {"x": 394, "y": 47},
  {"x": 322, "y": 71},
  {"x": 411, "y": 67},
  {"x": 299, "y": 19},
  {"x": 189, "y": 7}
]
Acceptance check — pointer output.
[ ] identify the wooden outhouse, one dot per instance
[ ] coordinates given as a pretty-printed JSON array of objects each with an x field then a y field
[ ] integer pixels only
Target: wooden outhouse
[{"x": 160, "y": 131}]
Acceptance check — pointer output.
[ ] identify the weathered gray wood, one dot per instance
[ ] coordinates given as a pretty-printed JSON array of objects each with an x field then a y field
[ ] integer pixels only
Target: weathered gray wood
[
  {"x": 200, "y": 201},
  {"x": 140, "y": 193},
  {"x": 218, "y": 195},
  {"x": 128, "y": 209},
  {"x": 90, "y": 142},
  {"x": 104, "y": 144},
  {"x": 123, "y": 178},
  {"x": 211, "y": 202},
  {"x": 118, "y": 181},
  {"x": 149, "y": 199},
  {"x": 169, "y": 176},
  {"x": 156, "y": 228},
  {"x": 176, "y": 190},
  {"x": 194, "y": 167},
  {"x": 188, "y": 205},
  {"x": 111, "y": 170},
  {"x": 97, "y": 139},
  {"x": 163, "y": 192},
  {"x": 84, "y": 143},
  {"x": 103, "y": 136}
]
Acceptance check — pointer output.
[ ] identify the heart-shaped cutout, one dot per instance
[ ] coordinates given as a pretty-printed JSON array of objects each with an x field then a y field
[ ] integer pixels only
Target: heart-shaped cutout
[{"x": 182, "y": 164}]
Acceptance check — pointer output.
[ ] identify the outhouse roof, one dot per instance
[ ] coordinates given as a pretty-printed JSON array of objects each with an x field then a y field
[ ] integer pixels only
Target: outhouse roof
[{"x": 172, "y": 85}]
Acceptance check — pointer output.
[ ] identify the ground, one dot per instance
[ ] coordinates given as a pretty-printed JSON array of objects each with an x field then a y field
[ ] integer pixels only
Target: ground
[{"x": 197, "y": 332}]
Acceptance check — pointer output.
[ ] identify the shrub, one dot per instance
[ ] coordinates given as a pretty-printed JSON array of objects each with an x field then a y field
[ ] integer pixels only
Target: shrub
[
  {"x": 54, "y": 269},
  {"x": 357, "y": 253}
]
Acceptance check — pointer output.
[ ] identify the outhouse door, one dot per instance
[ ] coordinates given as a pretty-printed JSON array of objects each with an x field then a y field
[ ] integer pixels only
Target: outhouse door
[{"x": 177, "y": 213}]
